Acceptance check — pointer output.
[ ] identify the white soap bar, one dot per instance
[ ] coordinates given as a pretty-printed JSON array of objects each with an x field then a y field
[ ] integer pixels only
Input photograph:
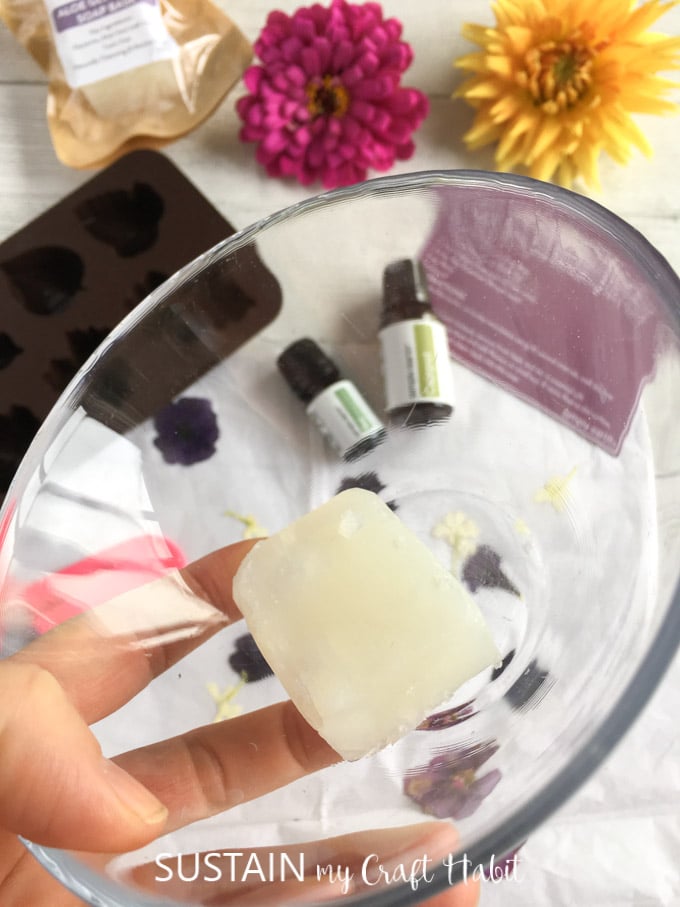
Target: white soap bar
[{"x": 365, "y": 629}]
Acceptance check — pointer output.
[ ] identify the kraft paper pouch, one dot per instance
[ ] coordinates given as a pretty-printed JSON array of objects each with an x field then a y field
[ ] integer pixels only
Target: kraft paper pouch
[{"x": 126, "y": 74}]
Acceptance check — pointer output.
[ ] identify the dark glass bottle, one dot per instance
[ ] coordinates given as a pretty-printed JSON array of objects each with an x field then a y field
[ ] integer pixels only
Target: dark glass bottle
[
  {"x": 414, "y": 347},
  {"x": 332, "y": 402}
]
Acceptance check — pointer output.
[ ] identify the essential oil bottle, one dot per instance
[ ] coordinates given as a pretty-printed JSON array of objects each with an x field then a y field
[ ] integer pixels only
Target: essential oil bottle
[
  {"x": 414, "y": 348},
  {"x": 332, "y": 402}
]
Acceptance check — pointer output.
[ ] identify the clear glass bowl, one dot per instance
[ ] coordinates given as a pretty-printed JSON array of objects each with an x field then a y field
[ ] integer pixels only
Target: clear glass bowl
[{"x": 552, "y": 491}]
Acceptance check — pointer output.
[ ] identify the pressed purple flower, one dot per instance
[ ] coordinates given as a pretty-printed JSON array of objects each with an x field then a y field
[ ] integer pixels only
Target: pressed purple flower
[
  {"x": 248, "y": 661},
  {"x": 326, "y": 103},
  {"x": 187, "y": 431},
  {"x": 483, "y": 568},
  {"x": 496, "y": 672},
  {"x": 448, "y": 717},
  {"x": 448, "y": 786},
  {"x": 528, "y": 685},
  {"x": 368, "y": 480}
]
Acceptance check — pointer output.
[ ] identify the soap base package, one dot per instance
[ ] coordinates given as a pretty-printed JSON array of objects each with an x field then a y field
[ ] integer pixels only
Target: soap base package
[{"x": 125, "y": 74}]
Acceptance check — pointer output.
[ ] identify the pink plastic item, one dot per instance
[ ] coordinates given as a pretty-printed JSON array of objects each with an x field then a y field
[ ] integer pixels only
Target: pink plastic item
[{"x": 98, "y": 578}]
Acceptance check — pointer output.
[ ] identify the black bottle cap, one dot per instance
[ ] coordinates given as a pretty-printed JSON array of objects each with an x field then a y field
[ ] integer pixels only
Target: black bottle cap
[
  {"x": 307, "y": 369},
  {"x": 405, "y": 292}
]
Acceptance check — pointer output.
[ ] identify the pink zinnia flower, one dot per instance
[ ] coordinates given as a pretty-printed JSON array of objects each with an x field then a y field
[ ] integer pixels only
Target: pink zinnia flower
[{"x": 326, "y": 103}]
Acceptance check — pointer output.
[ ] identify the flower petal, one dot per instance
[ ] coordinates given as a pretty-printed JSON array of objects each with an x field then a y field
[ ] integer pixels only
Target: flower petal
[
  {"x": 477, "y": 34},
  {"x": 548, "y": 132},
  {"x": 252, "y": 78},
  {"x": 303, "y": 28},
  {"x": 500, "y": 65},
  {"x": 505, "y": 108},
  {"x": 291, "y": 48},
  {"x": 640, "y": 19},
  {"x": 274, "y": 141},
  {"x": 483, "y": 88},
  {"x": 585, "y": 160},
  {"x": 311, "y": 61},
  {"x": 544, "y": 168},
  {"x": 341, "y": 56},
  {"x": 520, "y": 38},
  {"x": 481, "y": 133}
]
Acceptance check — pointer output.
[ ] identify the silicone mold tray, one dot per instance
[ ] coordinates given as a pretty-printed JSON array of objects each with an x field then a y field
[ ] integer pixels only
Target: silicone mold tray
[{"x": 71, "y": 275}]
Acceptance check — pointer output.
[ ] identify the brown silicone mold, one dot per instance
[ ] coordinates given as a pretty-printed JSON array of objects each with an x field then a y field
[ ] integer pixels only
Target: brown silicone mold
[{"x": 72, "y": 274}]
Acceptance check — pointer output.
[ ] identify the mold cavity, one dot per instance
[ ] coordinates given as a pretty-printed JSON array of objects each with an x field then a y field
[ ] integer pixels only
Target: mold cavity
[
  {"x": 17, "y": 430},
  {"x": 234, "y": 302},
  {"x": 141, "y": 290},
  {"x": 8, "y": 350},
  {"x": 125, "y": 220},
  {"x": 45, "y": 279},
  {"x": 114, "y": 386},
  {"x": 82, "y": 344}
]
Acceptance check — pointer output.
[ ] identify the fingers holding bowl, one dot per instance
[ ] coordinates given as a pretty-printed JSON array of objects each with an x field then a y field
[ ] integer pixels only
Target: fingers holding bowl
[
  {"x": 107, "y": 655},
  {"x": 216, "y": 767}
]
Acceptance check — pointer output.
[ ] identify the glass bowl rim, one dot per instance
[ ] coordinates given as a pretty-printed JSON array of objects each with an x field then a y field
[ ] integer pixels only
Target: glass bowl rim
[{"x": 519, "y": 824}]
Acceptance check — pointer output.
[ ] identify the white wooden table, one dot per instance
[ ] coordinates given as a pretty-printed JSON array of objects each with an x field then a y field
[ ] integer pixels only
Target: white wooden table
[{"x": 618, "y": 841}]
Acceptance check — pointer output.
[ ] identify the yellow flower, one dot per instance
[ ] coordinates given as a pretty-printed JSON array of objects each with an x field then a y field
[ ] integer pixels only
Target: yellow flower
[
  {"x": 224, "y": 707},
  {"x": 252, "y": 529},
  {"x": 556, "y": 82},
  {"x": 555, "y": 491},
  {"x": 461, "y": 533}
]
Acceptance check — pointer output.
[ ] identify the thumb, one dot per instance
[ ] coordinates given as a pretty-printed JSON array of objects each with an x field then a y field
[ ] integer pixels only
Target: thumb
[{"x": 56, "y": 788}]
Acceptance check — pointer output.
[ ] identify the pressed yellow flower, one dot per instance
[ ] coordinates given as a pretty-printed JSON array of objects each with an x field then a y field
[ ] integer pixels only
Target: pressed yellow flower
[
  {"x": 556, "y": 82},
  {"x": 224, "y": 707},
  {"x": 252, "y": 530},
  {"x": 555, "y": 491},
  {"x": 461, "y": 533}
]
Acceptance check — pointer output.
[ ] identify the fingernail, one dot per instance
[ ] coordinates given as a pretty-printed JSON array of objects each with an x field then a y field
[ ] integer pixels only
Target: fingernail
[{"x": 134, "y": 796}]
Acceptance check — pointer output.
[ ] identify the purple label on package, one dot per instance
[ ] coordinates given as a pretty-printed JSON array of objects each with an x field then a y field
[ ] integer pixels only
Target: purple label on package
[
  {"x": 546, "y": 305},
  {"x": 83, "y": 12}
]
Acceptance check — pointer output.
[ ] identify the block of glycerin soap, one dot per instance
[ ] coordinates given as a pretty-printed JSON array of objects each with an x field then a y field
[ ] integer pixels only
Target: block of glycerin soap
[{"x": 365, "y": 629}]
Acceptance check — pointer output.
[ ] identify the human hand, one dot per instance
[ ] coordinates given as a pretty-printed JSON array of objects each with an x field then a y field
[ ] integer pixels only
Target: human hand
[{"x": 57, "y": 789}]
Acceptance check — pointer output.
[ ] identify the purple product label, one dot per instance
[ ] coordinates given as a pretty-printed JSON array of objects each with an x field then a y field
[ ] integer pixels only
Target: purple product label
[
  {"x": 546, "y": 304},
  {"x": 83, "y": 12}
]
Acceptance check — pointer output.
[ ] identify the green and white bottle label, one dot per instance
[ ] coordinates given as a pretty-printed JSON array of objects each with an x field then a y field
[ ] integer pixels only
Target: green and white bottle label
[
  {"x": 415, "y": 355},
  {"x": 343, "y": 416}
]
